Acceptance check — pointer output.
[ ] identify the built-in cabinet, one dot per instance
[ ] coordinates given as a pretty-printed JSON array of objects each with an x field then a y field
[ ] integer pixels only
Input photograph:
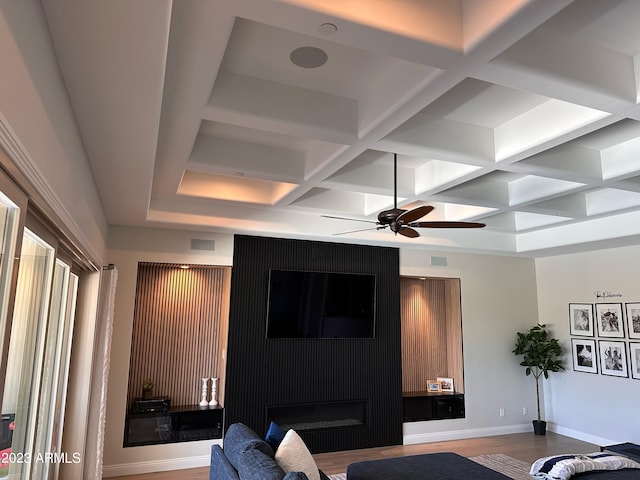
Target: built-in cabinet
[
  {"x": 178, "y": 339},
  {"x": 421, "y": 406},
  {"x": 178, "y": 424}
]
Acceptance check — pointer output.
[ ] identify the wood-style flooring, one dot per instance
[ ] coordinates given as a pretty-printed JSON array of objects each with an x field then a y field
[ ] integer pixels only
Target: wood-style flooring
[{"x": 523, "y": 446}]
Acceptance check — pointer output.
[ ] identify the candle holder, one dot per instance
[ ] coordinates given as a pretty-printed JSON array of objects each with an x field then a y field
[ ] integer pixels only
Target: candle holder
[
  {"x": 203, "y": 401},
  {"x": 214, "y": 392}
]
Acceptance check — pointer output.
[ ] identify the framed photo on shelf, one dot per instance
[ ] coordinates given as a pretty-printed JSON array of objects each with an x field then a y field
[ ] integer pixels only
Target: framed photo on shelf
[
  {"x": 583, "y": 351},
  {"x": 635, "y": 360},
  {"x": 433, "y": 386},
  {"x": 613, "y": 358},
  {"x": 633, "y": 319},
  {"x": 609, "y": 320},
  {"x": 581, "y": 319},
  {"x": 446, "y": 384}
]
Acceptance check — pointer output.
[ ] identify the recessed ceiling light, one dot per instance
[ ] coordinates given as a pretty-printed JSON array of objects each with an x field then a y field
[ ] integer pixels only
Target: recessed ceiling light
[
  {"x": 327, "y": 29},
  {"x": 308, "y": 57}
]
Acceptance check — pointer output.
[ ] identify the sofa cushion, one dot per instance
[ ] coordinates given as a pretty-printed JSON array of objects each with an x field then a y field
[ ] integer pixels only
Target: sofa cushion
[
  {"x": 240, "y": 438},
  {"x": 255, "y": 465},
  {"x": 220, "y": 468},
  {"x": 294, "y": 456}
]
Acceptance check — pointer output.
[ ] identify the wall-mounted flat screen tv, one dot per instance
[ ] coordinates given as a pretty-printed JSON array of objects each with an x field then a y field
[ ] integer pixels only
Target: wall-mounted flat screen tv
[{"x": 304, "y": 304}]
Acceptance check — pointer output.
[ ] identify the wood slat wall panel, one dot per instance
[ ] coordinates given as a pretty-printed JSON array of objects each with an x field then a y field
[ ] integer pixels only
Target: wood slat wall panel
[
  {"x": 176, "y": 340},
  {"x": 431, "y": 331}
]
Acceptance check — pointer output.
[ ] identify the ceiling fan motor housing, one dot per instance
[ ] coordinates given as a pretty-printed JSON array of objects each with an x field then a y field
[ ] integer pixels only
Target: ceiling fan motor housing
[{"x": 386, "y": 217}]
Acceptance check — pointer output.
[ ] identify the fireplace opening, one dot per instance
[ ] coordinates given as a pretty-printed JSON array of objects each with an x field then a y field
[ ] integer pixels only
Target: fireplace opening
[{"x": 319, "y": 416}]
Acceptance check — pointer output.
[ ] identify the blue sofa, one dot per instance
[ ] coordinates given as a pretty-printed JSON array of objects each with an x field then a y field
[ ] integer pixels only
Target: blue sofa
[{"x": 246, "y": 456}]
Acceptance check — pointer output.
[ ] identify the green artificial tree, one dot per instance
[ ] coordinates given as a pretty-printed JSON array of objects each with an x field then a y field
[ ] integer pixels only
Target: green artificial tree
[{"x": 541, "y": 354}]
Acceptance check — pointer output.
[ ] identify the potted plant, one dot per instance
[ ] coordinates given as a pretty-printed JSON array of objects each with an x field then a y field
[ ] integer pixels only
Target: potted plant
[
  {"x": 147, "y": 388},
  {"x": 541, "y": 354}
]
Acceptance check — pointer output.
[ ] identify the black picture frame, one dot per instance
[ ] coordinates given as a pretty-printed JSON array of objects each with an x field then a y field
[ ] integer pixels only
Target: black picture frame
[
  {"x": 632, "y": 311},
  {"x": 585, "y": 356},
  {"x": 610, "y": 320},
  {"x": 634, "y": 355},
  {"x": 581, "y": 319},
  {"x": 613, "y": 358}
]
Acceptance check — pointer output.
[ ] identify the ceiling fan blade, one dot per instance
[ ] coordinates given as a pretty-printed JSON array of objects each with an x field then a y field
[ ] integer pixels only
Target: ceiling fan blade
[
  {"x": 447, "y": 225},
  {"x": 350, "y": 219},
  {"x": 360, "y": 230},
  {"x": 414, "y": 214},
  {"x": 408, "y": 232}
]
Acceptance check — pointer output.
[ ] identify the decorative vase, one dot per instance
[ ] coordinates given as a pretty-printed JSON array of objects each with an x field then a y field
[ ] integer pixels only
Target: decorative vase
[
  {"x": 214, "y": 392},
  {"x": 147, "y": 394},
  {"x": 203, "y": 401}
]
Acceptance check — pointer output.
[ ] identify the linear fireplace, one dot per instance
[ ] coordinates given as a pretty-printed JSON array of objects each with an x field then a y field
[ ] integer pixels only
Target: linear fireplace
[{"x": 319, "y": 416}]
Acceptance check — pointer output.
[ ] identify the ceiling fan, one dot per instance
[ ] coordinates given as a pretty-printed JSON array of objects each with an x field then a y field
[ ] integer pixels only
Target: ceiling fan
[{"x": 404, "y": 222}]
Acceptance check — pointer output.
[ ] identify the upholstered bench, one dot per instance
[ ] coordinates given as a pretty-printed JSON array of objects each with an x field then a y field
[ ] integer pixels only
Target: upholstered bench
[{"x": 432, "y": 466}]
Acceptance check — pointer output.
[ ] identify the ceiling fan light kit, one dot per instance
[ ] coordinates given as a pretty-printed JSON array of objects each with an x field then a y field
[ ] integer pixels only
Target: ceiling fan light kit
[{"x": 404, "y": 222}]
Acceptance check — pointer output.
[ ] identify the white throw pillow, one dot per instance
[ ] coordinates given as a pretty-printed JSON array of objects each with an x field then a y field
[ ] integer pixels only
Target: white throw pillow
[{"x": 294, "y": 456}]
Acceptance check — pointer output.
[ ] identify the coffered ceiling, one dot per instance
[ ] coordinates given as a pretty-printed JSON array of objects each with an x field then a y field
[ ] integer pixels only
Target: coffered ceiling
[{"x": 519, "y": 114}]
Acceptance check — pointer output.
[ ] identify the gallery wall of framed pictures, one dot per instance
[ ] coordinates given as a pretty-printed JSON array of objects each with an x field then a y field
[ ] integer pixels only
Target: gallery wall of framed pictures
[{"x": 605, "y": 338}]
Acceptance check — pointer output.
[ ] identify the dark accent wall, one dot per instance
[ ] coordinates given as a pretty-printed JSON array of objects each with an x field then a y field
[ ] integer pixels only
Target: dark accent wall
[{"x": 262, "y": 372}]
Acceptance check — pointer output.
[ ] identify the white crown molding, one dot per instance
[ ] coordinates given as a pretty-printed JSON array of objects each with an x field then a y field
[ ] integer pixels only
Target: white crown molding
[{"x": 26, "y": 166}]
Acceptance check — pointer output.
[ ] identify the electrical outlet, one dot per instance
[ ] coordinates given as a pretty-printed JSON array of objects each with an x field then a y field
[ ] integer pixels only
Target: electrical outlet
[
  {"x": 502, "y": 413},
  {"x": 525, "y": 412}
]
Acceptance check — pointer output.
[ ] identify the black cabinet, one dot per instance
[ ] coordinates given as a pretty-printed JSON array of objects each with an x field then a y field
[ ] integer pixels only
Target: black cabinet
[
  {"x": 420, "y": 406},
  {"x": 178, "y": 424}
]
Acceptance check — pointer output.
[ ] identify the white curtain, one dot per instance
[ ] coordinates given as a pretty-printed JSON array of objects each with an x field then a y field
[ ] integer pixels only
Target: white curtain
[{"x": 100, "y": 375}]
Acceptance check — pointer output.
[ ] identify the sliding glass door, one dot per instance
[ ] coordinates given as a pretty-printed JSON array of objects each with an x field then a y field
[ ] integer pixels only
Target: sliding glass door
[
  {"x": 54, "y": 376},
  {"x": 24, "y": 373},
  {"x": 9, "y": 215},
  {"x": 13, "y": 206},
  {"x": 38, "y": 288}
]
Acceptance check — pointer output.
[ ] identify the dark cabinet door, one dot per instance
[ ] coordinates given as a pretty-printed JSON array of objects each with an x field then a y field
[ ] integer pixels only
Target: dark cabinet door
[{"x": 452, "y": 407}]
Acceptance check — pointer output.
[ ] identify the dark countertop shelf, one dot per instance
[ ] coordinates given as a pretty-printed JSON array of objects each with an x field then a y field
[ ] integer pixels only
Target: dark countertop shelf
[{"x": 429, "y": 394}]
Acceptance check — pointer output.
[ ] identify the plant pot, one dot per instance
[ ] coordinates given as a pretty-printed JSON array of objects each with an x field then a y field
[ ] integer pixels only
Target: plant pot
[{"x": 539, "y": 427}]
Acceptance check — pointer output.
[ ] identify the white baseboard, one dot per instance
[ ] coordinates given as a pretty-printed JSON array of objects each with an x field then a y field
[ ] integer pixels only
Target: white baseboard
[
  {"x": 155, "y": 466},
  {"x": 466, "y": 433},
  {"x": 585, "y": 437}
]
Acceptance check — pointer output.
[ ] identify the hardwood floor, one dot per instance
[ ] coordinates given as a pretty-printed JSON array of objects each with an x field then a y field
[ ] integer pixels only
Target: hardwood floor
[{"x": 523, "y": 446}]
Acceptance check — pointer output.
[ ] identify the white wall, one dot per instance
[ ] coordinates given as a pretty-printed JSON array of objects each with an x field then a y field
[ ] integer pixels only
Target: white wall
[
  {"x": 127, "y": 247},
  {"x": 498, "y": 300},
  {"x": 596, "y": 408}
]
